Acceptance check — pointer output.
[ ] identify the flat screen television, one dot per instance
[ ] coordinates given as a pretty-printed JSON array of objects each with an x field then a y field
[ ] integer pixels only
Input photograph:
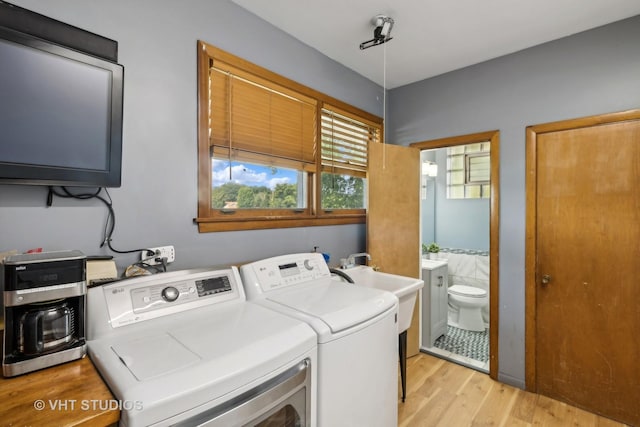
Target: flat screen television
[{"x": 60, "y": 114}]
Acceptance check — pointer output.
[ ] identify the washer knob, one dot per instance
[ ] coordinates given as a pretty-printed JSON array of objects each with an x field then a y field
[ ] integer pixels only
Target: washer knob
[
  {"x": 308, "y": 265},
  {"x": 170, "y": 293}
]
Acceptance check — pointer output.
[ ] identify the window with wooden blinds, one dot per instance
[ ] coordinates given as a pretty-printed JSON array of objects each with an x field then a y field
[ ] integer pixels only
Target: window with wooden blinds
[
  {"x": 260, "y": 121},
  {"x": 274, "y": 153},
  {"x": 345, "y": 141}
]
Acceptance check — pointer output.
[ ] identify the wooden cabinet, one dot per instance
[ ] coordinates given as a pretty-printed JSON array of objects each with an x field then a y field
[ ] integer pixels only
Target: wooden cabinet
[
  {"x": 434, "y": 301},
  {"x": 70, "y": 394}
]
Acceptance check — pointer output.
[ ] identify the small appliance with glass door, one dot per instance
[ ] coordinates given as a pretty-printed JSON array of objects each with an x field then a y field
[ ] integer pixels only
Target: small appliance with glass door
[{"x": 44, "y": 310}]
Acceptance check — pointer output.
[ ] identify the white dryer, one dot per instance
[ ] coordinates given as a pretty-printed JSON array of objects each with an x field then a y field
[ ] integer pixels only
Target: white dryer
[
  {"x": 186, "y": 349},
  {"x": 357, "y": 336}
]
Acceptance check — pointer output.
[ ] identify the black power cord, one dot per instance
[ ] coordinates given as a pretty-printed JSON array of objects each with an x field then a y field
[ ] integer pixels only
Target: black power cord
[{"x": 110, "y": 224}]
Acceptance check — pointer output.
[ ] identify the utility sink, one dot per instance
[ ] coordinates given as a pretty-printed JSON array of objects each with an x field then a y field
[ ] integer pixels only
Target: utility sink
[{"x": 405, "y": 288}]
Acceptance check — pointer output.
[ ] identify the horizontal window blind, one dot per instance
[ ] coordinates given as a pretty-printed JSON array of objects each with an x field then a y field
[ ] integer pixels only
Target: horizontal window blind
[
  {"x": 259, "y": 129},
  {"x": 478, "y": 168},
  {"x": 253, "y": 119},
  {"x": 469, "y": 171},
  {"x": 345, "y": 141}
]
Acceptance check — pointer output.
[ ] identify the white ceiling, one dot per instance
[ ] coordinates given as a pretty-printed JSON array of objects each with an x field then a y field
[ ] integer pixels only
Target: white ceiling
[{"x": 432, "y": 37}]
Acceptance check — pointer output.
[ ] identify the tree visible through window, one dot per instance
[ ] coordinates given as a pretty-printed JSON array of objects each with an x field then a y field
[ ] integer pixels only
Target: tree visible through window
[
  {"x": 255, "y": 186},
  {"x": 343, "y": 192},
  {"x": 273, "y": 153}
]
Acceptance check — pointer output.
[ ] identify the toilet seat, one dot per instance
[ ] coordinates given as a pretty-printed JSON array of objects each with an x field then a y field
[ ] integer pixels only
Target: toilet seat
[{"x": 467, "y": 291}]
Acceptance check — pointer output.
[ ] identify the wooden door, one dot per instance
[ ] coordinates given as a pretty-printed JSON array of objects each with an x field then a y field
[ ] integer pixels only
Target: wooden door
[
  {"x": 393, "y": 217},
  {"x": 585, "y": 277}
]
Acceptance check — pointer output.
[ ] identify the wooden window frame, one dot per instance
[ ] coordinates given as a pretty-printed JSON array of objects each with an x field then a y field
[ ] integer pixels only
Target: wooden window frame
[
  {"x": 338, "y": 167},
  {"x": 222, "y": 220}
]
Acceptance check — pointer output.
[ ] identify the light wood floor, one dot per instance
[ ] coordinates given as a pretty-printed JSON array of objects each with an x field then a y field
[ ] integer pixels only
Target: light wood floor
[{"x": 441, "y": 393}]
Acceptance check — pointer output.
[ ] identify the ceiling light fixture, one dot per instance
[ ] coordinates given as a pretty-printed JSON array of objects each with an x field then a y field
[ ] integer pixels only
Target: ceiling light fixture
[{"x": 381, "y": 33}]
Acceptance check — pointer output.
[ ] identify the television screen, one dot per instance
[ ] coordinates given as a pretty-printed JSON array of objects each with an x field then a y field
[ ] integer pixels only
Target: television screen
[{"x": 60, "y": 114}]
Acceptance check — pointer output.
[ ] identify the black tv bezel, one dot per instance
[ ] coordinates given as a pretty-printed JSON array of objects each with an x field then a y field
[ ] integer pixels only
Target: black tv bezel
[{"x": 31, "y": 174}]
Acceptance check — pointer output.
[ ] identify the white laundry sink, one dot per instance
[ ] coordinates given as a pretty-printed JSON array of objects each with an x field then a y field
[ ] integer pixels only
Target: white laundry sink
[{"x": 405, "y": 288}]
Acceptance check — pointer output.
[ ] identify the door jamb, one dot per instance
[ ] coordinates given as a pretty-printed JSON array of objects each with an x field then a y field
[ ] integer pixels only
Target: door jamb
[
  {"x": 531, "y": 216},
  {"x": 494, "y": 228}
]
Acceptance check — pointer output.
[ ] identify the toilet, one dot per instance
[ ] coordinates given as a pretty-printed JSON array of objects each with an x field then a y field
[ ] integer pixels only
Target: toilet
[{"x": 465, "y": 307}]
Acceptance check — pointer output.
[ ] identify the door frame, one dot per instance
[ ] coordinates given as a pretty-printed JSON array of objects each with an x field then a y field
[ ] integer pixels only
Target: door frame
[
  {"x": 531, "y": 168},
  {"x": 494, "y": 228}
]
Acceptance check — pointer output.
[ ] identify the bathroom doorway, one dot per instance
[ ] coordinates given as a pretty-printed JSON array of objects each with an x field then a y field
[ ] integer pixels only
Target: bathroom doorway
[{"x": 459, "y": 213}]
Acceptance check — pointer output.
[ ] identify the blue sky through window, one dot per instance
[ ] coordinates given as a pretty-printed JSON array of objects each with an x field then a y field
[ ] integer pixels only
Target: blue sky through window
[{"x": 250, "y": 174}]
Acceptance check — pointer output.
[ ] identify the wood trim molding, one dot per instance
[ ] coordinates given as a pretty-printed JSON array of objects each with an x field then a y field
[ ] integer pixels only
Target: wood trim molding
[
  {"x": 531, "y": 216},
  {"x": 457, "y": 140},
  {"x": 530, "y": 261},
  {"x": 204, "y": 169},
  {"x": 582, "y": 122},
  {"x": 494, "y": 230},
  {"x": 494, "y": 256},
  {"x": 206, "y": 225}
]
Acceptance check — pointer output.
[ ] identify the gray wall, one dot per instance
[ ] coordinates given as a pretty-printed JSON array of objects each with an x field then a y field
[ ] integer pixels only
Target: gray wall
[
  {"x": 158, "y": 199},
  {"x": 590, "y": 73}
]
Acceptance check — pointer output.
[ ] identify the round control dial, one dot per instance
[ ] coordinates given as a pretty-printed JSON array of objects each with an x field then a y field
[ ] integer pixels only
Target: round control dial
[{"x": 170, "y": 294}]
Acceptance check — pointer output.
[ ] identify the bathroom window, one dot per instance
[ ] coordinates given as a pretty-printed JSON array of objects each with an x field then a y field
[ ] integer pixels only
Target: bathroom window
[
  {"x": 273, "y": 153},
  {"x": 468, "y": 171}
]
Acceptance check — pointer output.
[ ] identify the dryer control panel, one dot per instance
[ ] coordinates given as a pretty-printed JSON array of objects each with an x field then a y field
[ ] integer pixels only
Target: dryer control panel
[
  {"x": 135, "y": 300},
  {"x": 283, "y": 271}
]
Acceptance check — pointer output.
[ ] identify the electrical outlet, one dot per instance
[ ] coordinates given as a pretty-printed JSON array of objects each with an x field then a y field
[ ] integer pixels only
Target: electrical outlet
[{"x": 167, "y": 252}]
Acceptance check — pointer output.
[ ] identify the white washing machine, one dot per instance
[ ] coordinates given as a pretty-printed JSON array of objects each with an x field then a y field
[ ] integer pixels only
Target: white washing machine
[
  {"x": 357, "y": 336},
  {"x": 186, "y": 349}
]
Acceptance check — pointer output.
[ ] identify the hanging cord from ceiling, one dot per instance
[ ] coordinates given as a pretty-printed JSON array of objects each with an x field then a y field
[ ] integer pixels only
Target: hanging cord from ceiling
[
  {"x": 384, "y": 107},
  {"x": 381, "y": 35}
]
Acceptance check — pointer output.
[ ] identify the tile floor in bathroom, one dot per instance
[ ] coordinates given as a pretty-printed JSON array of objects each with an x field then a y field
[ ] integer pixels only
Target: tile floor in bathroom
[{"x": 467, "y": 348}]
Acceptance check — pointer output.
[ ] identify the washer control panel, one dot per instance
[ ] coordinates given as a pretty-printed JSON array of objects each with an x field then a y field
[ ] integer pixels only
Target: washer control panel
[
  {"x": 285, "y": 271},
  {"x": 133, "y": 300}
]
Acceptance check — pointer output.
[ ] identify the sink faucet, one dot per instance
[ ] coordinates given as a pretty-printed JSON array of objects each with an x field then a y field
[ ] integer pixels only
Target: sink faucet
[{"x": 351, "y": 259}]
